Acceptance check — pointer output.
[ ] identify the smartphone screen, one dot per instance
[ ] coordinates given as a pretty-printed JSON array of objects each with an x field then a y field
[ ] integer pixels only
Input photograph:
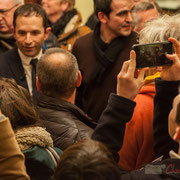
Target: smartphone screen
[{"x": 152, "y": 55}]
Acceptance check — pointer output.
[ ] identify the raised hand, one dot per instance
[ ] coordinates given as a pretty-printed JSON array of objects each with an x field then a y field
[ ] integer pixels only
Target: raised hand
[
  {"x": 127, "y": 85},
  {"x": 172, "y": 72}
]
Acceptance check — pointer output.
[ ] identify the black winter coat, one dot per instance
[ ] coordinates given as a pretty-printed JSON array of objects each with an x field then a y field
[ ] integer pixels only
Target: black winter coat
[{"x": 65, "y": 122}]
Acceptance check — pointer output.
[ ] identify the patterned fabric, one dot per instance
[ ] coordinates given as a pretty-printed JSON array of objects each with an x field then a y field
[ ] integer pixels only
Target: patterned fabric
[{"x": 31, "y": 136}]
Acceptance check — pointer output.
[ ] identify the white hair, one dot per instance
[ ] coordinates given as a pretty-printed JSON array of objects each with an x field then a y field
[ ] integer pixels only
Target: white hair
[{"x": 161, "y": 29}]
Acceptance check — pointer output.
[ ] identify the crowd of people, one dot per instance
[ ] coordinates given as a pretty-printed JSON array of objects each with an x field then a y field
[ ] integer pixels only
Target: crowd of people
[{"x": 74, "y": 106}]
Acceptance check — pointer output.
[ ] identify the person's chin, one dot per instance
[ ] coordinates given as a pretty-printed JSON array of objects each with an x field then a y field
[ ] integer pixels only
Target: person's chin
[
  {"x": 29, "y": 53},
  {"x": 127, "y": 32},
  {"x": 4, "y": 30}
]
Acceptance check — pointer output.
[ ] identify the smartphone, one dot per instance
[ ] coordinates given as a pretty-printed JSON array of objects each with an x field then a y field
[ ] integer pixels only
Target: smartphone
[{"x": 152, "y": 55}]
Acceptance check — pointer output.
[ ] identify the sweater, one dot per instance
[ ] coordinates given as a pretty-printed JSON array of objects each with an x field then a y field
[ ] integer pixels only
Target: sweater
[
  {"x": 92, "y": 97},
  {"x": 137, "y": 148}
]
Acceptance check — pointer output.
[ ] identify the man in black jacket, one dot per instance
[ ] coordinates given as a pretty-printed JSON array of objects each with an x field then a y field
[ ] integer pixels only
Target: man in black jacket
[
  {"x": 30, "y": 30},
  {"x": 58, "y": 77}
]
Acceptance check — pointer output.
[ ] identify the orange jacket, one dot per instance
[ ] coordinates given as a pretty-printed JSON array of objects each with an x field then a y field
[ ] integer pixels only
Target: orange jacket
[{"x": 137, "y": 148}]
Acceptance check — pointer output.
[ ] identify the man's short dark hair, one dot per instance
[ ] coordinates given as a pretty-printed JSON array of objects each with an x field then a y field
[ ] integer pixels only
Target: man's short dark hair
[
  {"x": 102, "y": 6},
  {"x": 87, "y": 160},
  {"x": 57, "y": 78},
  {"x": 28, "y": 10}
]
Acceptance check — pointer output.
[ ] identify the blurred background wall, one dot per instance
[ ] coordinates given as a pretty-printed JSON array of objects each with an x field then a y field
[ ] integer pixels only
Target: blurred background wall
[{"x": 86, "y": 6}]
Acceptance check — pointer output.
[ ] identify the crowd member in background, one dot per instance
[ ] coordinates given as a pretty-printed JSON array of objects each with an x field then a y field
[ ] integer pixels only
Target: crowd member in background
[
  {"x": 65, "y": 21},
  {"x": 11, "y": 158},
  {"x": 100, "y": 54},
  {"x": 33, "y": 140},
  {"x": 143, "y": 12},
  {"x": 159, "y": 31},
  {"x": 58, "y": 76},
  {"x": 30, "y": 31},
  {"x": 7, "y": 41},
  {"x": 7, "y": 9},
  {"x": 96, "y": 163}
]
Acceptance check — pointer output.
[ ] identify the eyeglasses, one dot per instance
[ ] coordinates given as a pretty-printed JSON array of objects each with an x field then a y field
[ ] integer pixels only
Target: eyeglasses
[{"x": 4, "y": 12}]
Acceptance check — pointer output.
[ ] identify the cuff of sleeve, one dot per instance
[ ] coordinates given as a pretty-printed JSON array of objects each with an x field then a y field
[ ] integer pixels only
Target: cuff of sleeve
[
  {"x": 166, "y": 87},
  {"x": 116, "y": 101},
  {"x": 160, "y": 82}
]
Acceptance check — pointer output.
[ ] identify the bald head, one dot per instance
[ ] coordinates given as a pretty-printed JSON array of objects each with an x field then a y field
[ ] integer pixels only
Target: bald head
[{"x": 57, "y": 72}]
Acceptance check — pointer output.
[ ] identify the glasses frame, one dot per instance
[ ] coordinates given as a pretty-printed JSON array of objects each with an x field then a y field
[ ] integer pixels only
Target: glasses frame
[{"x": 3, "y": 12}]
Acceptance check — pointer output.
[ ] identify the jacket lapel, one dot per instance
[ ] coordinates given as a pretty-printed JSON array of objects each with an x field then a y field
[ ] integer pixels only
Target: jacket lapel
[{"x": 17, "y": 69}]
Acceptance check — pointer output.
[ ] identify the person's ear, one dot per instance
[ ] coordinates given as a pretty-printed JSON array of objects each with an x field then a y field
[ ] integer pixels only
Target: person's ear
[
  {"x": 102, "y": 17},
  {"x": 176, "y": 136},
  {"x": 13, "y": 32},
  {"x": 47, "y": 32},
  {"x": 79, "y": 80},
  {"x": 38, "y": 84}
]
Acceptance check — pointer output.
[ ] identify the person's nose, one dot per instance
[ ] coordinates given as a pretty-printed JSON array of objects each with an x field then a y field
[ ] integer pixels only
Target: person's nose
[
  {"x": 28, "y": 38},
  {"x": 1, "y": 17},
  {"x": 129, "y": 17}
]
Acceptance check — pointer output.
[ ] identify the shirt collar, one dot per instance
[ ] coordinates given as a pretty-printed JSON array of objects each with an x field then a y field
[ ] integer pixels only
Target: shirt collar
[{"x": 25, "y": 59}]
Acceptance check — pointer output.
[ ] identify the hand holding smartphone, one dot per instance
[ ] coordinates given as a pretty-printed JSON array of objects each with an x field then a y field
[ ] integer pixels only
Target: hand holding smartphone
[{"x": 152, "y": 55}]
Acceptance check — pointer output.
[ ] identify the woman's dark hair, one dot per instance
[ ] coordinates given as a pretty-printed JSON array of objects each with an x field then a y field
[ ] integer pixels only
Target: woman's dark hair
[
  {"x": 87, "y": 160},
  {"x": 16, "y": 103}
]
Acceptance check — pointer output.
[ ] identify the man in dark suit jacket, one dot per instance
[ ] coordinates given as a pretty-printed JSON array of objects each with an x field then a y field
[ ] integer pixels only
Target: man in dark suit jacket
[
  {"x": 101, "y": 54},
  {"x": 30, "y": 31}
]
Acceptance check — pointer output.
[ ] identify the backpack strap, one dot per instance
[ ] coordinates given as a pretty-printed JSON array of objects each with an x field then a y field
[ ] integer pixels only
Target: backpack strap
[{"x": 53, "y": 154}]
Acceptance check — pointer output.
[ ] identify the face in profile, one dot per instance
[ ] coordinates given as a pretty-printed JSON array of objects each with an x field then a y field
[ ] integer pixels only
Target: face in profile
[
  {"x": 146, "y": 16},
  {"x": 7, "y": 8},
  {"x": 30, "y": 34},
  {"x": 52, "y": 7}
]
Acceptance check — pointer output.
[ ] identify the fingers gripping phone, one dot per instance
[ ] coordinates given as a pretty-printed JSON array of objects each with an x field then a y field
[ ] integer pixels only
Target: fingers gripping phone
[{"x": 152, "y": 55}]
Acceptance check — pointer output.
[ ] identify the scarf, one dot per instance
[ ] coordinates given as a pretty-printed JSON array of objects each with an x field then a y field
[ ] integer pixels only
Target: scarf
[
  {"x": 106, "y": 54},
  {"x": 58, "y": 27},
  {"x": 32, "y": 136}
]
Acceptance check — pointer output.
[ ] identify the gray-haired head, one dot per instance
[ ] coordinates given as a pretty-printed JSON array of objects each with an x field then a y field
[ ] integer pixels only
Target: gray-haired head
[
  {"x": 161, "y": 29},
  {"x": 143, "y": 12},
  {"x": 57, "y": 72}
]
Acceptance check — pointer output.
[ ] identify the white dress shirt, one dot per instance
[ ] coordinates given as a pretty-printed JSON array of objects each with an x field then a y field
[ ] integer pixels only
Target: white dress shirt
[{"x": 28, "y": 67}]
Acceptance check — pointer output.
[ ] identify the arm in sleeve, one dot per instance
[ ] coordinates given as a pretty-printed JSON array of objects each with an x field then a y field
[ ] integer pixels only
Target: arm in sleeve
[
  {"x": 111, "y": 126},
  {"x": 11, "y": 158},
  {"x": 165, "y": 93}
]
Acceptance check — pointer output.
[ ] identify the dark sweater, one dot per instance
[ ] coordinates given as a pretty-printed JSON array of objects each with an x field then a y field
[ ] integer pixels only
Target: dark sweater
[
  {"x": 92, "y": 97},
  {"x": 165, "y": 93}
]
